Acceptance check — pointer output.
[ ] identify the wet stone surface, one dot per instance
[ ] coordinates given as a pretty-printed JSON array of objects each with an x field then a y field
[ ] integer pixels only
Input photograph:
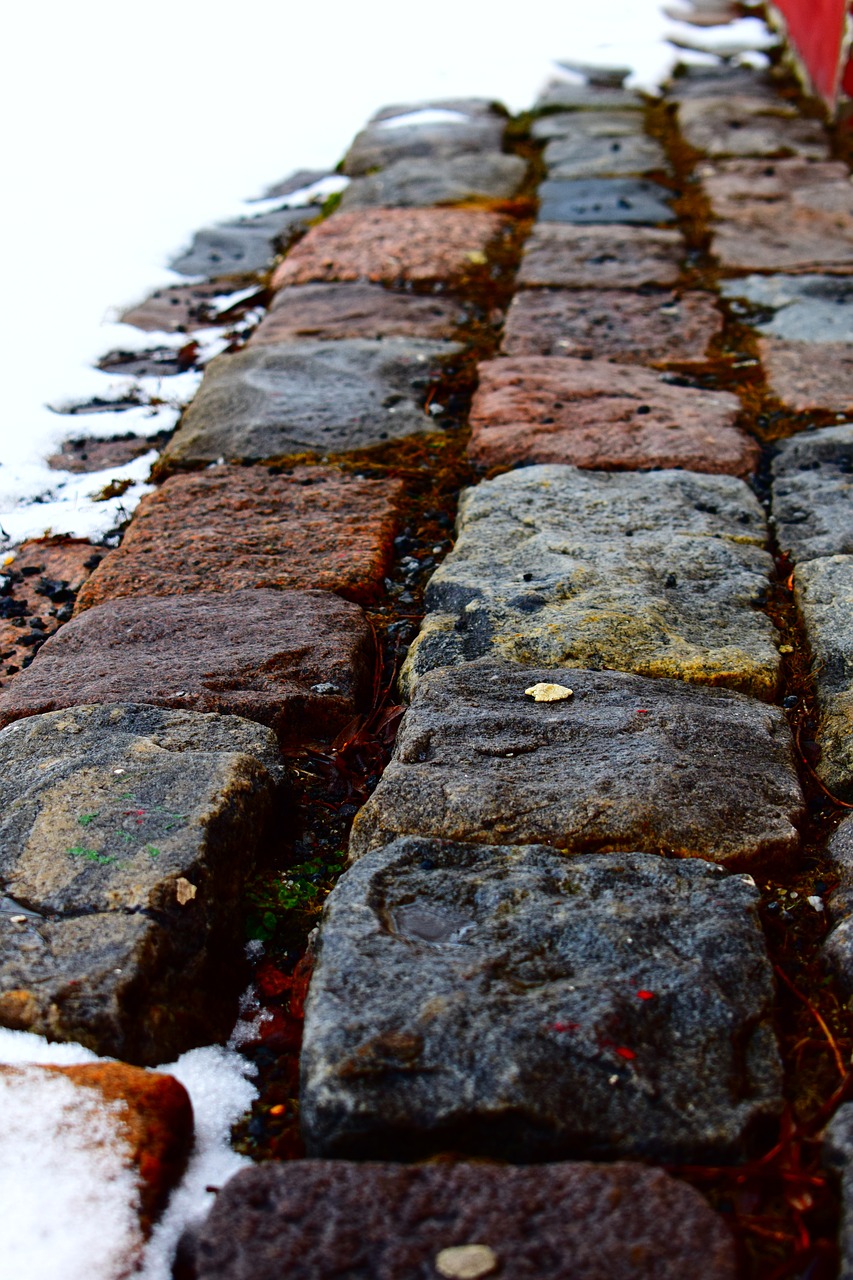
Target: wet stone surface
[
  {"x": 742, "y": 125},
  {"x": 248, "y": 245},
  {"x": 780, "y": 215},
  {"x": 551, "y": 1222},
  {"x": 480, "y": 176},
  {"x": 315, "y": 527},
  {"x": 606, "y": 769},
  {"x": 633, "y": 328},
  {"x": 452, "y": 979},
  {"x": 593, "y": 413},
  {"x": 279, "y": 401},
  {"x": 647, "y": 583},
  {"x": 126, "y": 835},
  {"x": 804, "y": 308},
  {"x": 813, "y": 493},
  {"x": 333, "y": 311},
  {"x": 809, "y": 375},
  {"x": 602, "y": 157},
  {"x": 381, "y": 145},
  {"x": 298, "y": 661},
  {"x": 418, "y": 246},
  {"x": 623, "y": 201},
  {"x": 823, "y": 590},
  {"x": 600, "y": 258}
]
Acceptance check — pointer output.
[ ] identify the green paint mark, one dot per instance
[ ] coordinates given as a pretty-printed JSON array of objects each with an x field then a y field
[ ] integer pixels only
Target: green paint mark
[
  {"x": 86, "y": 818},
  {"x": 91, "y": 855},
  {"x": 152, "y": 851}
]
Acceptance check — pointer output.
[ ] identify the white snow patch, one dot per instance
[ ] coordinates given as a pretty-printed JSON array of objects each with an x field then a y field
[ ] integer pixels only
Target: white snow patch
[{"x": 426, "y": 116}]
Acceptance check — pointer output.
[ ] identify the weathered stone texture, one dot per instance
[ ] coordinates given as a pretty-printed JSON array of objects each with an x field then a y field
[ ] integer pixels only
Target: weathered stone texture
[
  {"x": 333, "y": 311},
  {"x": 592, "y": 126},
  {"x": 419, "y": 182},
  {"x": 314, "y": 527},
  {"x": 579, "y": 156},
  {"x": 593, "y": 413},
  {"x": 600, "y": 257},
  {"x": 813, "y": 493},
  {"x": 310, "y": 1219},
  {"x": 642, "y": 585},
  {"x": 781, "y": 215},
  {"x": 823, "y": 590},
  {"x": 607, "y": 769},
  {"x": 298, "y": 661},
  {"x": 808, "y": 375},
  {"x": 274, "y": 402},
  {"x": 381, "y": 145},
  {"x": 568, "y": 95},
  {"x": 805, "y": 308},
  {"x": 742, "y": 125},
  {"x": 247, "y": 246},
  {"x": 452, "y": 980},
  {"x": 621, "y": 201},
  {"x": 418, "y": 246},
  {"x": 126, "y": 834},
  {"x": 633, "y": 328}
]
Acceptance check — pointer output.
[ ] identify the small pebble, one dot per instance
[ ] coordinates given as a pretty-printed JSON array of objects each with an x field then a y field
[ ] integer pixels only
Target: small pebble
[
  {"x": 548, "y": 692},
  {"x": 466, "y": 1261}
]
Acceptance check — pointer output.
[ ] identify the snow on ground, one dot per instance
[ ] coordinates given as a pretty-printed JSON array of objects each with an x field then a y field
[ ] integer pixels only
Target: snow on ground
[{"x": 69, "y": 1205}]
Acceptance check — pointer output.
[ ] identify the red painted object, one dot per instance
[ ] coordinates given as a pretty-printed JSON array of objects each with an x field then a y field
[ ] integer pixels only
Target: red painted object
[{"x": 816, "y": 31}]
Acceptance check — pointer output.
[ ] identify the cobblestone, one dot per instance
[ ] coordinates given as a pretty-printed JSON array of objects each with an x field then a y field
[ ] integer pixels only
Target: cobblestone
[
  {"x": 577, "y": 156},
  {"x": 593, "y": 413},
  {"x": 414, "y": 182},
  {"x": 633, "y": 328},
  {"x": 604, "y": 770},
  {"x": 382, "y": 144},
  {"x": 529, "y": 584},
  {"x": 127, "y": 833},
  {"x": 333, "y": 311},
  {"x": 809, "y": 375},
  {"x": 823, "y": 590},
  {"x": 452, "y": 979},
  {"x": 566, "y": 95},
  {"x": 314, "y": 527},
  {"x": 249, "y": 653},
  {"x": 246, "y": 246},
  {"x": 742, "y": 125},
  {"x": 592, "y": 257},
  {"x": 621, "y": 201},
  {"x": 295, "y": 398},
  {"x": 555, "y": 1222},
  {"x": 812, "y": 490},
  {"x": 804, "y": 308}
]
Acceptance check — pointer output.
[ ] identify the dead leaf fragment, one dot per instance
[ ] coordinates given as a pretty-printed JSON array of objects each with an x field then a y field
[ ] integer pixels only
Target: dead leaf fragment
[
  {"x": 185, "y": 891},
  {"x": 549, "y": 692},
  {"x": 466, "y": 1261}
]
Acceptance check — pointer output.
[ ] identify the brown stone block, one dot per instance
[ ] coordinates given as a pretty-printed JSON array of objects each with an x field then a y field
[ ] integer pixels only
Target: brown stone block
[
  {"x": 781, "y": 215},
  {"x": 809, "y": 375},
  {"x": 298, "y": 661},
  {"x": 632, "y": 328},
  {"x": 589, "y": 257},
  {"x": 330, "y": 311},
  {"x": 392, "y": 245},
  {"x": 314, "y": 527},
  {"x": 311, "y": 1218},
  {"x": 592, "y": 413},
  {"x": 176, "y": 308}
]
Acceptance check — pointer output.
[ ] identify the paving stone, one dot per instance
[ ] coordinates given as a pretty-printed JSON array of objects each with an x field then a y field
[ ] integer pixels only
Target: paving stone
[
  {"x": 257, "y": 654},
  {"x": 453, "y": 979},
  {"x": 558, "y": 567},
  {"x": 607, "y": 769},
  {"x": 126, "y": 835},
  {"x": 37, "y": 591},
  {"x": 838, "y": 946},
  {"x": 622, "y": 201},
  {"x": 314, "y": 527},
  {"x": 592, "y": 413},
  {"x": 481, "y": 176},
  {"x": 248, "y": 245},
  {"x": 296, "y": 181},
  {"x": 552, "y": 1222},
  {"x": 633, "y": 328},
  {"x": 414, "y": 246},
  {"x": 278, "y": 401},
  {"x": 568, "y": 96},
  {"x": 838, "y": 1155},
  {"x": 600, "y": 257},
  {"x": 332, "y": 311},
  {"x": 176, "y": 308},
  {"x": 809, "y": 375},
  {"x": 812, "y": 491},
  {"x": 781, "y": 215},
  {"x": 741, "y": 125},
  {"x": 603, "y": 157},
  {"x": 380, "y": 145},
  {"x": 823, "y": 590},
  {"x": 85, "y": 454},
  {"x": 804, "y": 308},
  {"x": 721, "y": 79},
  {"x": 474, "y": 108},
  {"x": 574, "y": 126}
]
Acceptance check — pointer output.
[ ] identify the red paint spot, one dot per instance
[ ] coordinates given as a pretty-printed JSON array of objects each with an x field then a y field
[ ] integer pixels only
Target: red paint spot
[
  {"x": 646, "y": 995},
  {"x": 564, "y": 1026},
  {"x": 641, "y": 711},
  {"x": 627, "y": 1054}
]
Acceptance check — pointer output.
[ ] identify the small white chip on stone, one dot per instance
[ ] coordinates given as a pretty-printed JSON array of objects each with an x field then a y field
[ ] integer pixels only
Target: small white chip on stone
[
  {"x": 549, "y": 692},
  {"x": 185, "y": 890},
  {"x": 466, "y": 1261}
]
